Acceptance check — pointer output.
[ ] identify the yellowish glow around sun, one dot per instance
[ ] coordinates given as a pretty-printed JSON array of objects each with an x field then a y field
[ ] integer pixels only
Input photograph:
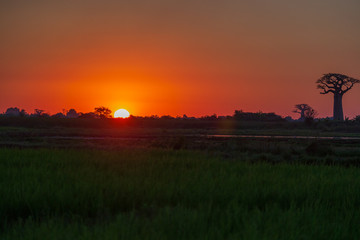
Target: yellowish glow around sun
[{"x": 121, "y": 113}]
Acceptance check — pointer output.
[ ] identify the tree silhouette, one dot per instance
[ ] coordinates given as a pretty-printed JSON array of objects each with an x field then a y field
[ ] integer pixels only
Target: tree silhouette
[
  {"x": 38, "y": 113},
  {"x": 338, "y": 84},
  {"x": 72, "y": 113},
  {"x": 103, "y": 112},
  {"x": 301, "y": 109},
  {"x": 306, "y": 112},
  {"x": 15, "y": 112},
  {"x": 310, "y": 114}
]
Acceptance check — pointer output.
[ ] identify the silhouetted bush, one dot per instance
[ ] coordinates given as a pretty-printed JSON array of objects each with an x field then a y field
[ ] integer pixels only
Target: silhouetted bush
[
  {"x": 72, "y": 113},
  {"x": 88, "y": 115},
  {"x": 319, "y": 149},
  {"x": 259, "y": 116},
  {"x": 357, "y": 119},
  {"x": 212, "y": 117}
]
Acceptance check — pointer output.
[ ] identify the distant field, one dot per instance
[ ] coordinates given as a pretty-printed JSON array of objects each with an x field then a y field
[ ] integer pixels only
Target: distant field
[
  {"x": 273, "y": 150},
  {"x": 121, "y": 127},
  {"x": 148, "y": 193}
]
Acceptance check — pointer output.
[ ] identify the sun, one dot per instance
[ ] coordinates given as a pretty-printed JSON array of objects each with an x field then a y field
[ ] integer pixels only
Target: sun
[{"x": 121, "y": 113}]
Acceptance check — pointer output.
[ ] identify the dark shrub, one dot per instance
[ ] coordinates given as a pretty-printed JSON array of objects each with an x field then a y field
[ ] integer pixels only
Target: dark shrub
[{"x": 320, "y": 149}]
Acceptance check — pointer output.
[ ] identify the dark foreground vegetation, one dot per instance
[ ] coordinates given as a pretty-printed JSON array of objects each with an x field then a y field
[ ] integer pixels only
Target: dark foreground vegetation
[
  {"x": 167, "y": 194},
  {"x": 154, "y": 179}
]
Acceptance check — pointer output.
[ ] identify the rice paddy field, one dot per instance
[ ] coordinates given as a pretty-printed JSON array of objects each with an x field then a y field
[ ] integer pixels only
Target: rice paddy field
[{"x": 178, "y": 187}]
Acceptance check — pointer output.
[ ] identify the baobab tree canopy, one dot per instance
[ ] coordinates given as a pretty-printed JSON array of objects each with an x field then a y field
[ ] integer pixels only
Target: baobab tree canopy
[
  {"x": 305, "y": 111},
  {"x": 338, "y": 84}
]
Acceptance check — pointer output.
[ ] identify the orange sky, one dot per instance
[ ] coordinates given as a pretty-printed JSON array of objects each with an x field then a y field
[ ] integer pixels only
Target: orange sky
[{"x": 177, "y": 57}]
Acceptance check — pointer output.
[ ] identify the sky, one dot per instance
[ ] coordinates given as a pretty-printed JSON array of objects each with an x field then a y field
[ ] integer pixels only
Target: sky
[{"x": 168, "y": 57}]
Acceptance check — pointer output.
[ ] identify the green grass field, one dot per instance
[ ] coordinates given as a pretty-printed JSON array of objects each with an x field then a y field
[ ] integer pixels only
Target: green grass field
[{"x": 165, "y": 194}]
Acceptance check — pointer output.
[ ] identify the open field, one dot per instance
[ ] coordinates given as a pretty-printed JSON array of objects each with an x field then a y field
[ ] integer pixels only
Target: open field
[
  {"x": 126, "y": 127},
  {"x": 317, "y": 149},
  {"x": 165, "y": 183}
]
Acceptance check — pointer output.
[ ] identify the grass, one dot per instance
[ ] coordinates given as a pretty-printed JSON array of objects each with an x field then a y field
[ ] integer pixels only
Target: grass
[{"x": 167, "y": 194}]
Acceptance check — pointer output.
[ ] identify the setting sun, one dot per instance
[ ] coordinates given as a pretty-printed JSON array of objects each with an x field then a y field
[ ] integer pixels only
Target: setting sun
[{"x": 121, "y": 113}]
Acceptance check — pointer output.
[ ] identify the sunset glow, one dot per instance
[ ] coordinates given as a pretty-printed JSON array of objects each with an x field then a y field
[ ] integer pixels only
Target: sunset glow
[
  {"x": 121, "y": 113},
  {"x": 177, "y": 57}
]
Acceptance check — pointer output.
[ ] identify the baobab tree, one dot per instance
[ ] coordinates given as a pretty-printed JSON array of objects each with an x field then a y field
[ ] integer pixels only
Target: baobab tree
[
  {"x": 337, "y": 84},
  {"x": 301, "y": 109},
  {"x": 306, "y": 112}
]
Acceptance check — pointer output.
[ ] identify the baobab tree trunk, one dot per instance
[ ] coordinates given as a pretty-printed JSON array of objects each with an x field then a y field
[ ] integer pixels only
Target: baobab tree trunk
[
  {"x": 338, "y": 109},
  {"x": 302, "y": 116}
]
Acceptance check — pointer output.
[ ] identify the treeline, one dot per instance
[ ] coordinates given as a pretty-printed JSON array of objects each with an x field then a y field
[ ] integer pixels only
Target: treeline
[
  {"x": 240, "y": 120},
  {"x": 99, "y": 112},
  {"x": 103, "y": 112},
  {"x": 307, "y": 114}
]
